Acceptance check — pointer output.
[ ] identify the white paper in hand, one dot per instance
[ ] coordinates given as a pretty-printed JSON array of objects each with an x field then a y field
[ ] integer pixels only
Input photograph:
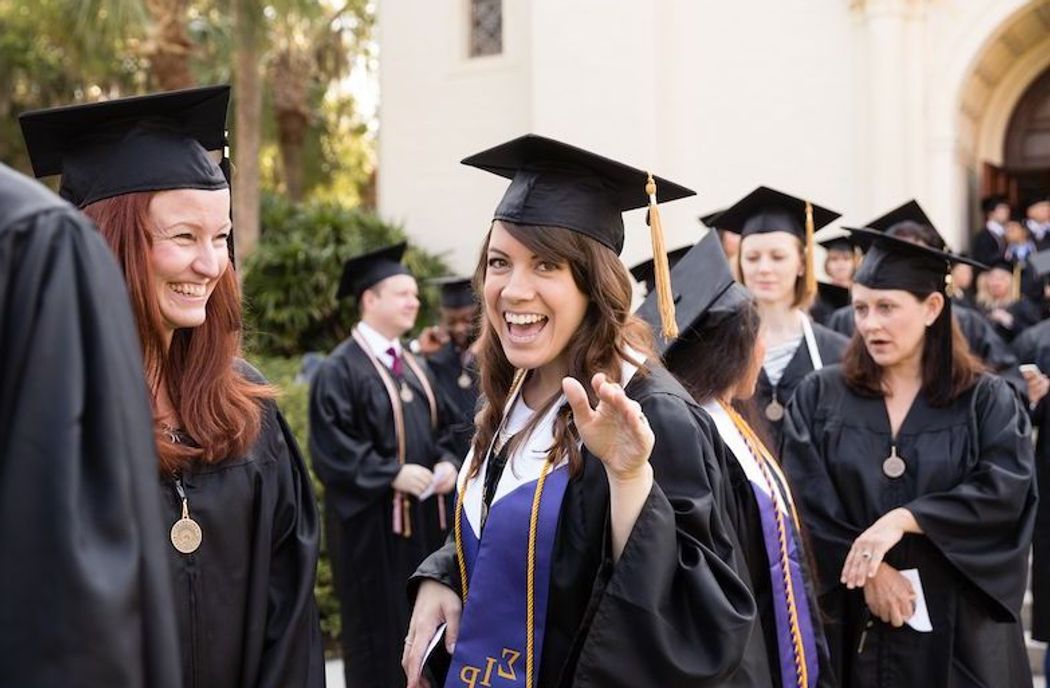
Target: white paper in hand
[
  {"x": 920, "y": 620},
  {"x": 439, "y": 474},
  {"x": 438, "y": 635}
]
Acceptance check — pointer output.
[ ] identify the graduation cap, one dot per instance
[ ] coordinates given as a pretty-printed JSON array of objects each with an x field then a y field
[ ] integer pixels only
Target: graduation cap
[
  {"x": 767, "y": 210},
  {"x": 711, "y": 219},
  {"x": 990, "y": 203},
  {"x": 705, "y": 292},
  {"x": 833, "y": 294},
  {"x": 368, "y": 269},
  {"x": 1040, "y": 262},
  {"x": 456, "y": 292},
  {"x": 912, "y": 212},
  {"x": 895, "y": 263},
  {"x": 645, "y": 271},
  {"x": 155, "y": 142},
  {"x": 837, "y": 243},
  {"x": 556, "y": 184}
]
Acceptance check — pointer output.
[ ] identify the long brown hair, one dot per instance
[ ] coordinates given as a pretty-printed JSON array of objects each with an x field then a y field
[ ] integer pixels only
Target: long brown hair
[
  {"x": 864, "y": 376},
  {"x": 217, "y": 406},
  {"x": 599, "y": 345}
]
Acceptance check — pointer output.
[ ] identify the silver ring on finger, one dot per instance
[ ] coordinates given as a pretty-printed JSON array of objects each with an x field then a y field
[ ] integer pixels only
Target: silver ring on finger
[
  {"x": 865, "y": 555},
  {"x": 408, "y": 642}
]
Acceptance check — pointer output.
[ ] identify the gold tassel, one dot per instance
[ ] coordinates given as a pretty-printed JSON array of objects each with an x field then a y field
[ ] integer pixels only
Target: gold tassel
[
  {"x": 661, "y": 268},
  {"x": 811, "y": 274},
  {"x": 1015, "y": 287}
]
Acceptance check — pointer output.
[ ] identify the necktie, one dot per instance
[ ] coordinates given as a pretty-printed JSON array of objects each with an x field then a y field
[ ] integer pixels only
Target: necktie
[{"x": 396, "y": 367}]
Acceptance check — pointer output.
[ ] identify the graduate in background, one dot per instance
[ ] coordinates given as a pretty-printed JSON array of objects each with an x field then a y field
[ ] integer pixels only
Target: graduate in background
[
  {"x": 908, "y": 221},
  {"x": 592, "y": 546},
  {"x": 776, "y": 265},
  {"x": 237, "y": 498},
  {"x": 718, "y": 356},
  {"x": 382, "y": 445},
  {"x": 76, "y": 455},
  {"x": 913, "y": 472},
  {"x": 1001, "y": 300},
  {"x": 989, "y": 244},
  {"x": 1033, "y": 352},
  {"x": 452, "y": 356}
]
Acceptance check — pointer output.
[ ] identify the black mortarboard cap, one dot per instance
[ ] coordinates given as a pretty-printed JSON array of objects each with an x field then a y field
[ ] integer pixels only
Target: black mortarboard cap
[
  {"x": 1040, "y": 263},
  {"x": 910, "y": 211},
  {"x": 838, "y": 243},
  {"x": 834, "y": 295},
  {"x": 990, "y": 203},
  {"x": 456, "y": 292},
  {"x": 704, "y": 292},
  {"x": 894, "y": 263},
  {"x": 711, "y": 219},
  {"x": 155, "y": 142},
  {"x": 768, "y": 210},
  {"x": 646, "y": 270},
  {"x": 556, "y": 184},
  {"x": 368, "y": 269}
]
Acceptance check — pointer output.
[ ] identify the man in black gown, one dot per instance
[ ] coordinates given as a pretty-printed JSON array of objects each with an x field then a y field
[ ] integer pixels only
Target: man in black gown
[
  {"x": 382, "y": 447},
  {"x": 89, "y": 596}
]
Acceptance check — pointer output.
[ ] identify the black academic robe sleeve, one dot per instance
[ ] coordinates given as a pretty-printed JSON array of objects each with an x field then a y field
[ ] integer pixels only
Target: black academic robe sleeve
[
  {"x": 354, "y": 471},
  {"x": 674, "y": 611},
  {"x": 841, "y": 321},
  {"x": 986, "y": 247},
  {"x": 983, "y": 525},
  {"x": 292, "y": 645},
  {"x": 831, "y": 531},
  {"x": 88, "y": 597}
]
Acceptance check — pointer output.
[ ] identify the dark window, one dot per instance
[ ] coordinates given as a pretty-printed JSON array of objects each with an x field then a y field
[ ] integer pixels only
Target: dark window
[{"x": 486, "y": 27}]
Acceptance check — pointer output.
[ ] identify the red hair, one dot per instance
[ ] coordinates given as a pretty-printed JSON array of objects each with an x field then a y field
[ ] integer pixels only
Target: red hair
[{"x": 217, "y": 406}]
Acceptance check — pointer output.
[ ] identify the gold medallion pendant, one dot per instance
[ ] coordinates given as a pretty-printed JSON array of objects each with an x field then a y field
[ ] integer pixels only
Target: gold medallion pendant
[
  {"x": 406, "y": 394},
  {"x": 775, "y": 412},
  {"x": 463, "y": 381},
  {"x": 186, "y": 535},
  {"x": 894, "y": 466}
]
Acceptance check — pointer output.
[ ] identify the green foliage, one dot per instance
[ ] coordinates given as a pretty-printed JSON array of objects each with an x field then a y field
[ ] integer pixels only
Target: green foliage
[
  {"x": 291, "y": 281},
  {"x": 293, "y": 402}
]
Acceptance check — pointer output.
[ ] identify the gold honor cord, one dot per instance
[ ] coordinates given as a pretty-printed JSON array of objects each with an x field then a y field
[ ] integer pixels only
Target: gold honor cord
[
  {"x": 765, "y": 461},
  {"x": 402, "y": 507},
  {"x": 530, "y": 560}
]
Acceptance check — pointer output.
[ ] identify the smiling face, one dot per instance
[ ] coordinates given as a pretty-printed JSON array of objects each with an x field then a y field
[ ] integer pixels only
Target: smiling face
[
  {"x": 532, "y": 303},
  {"x": 893, "y": 322},
  {"x": 189, "y": 252},
  {"x": 770, "y": 266}
]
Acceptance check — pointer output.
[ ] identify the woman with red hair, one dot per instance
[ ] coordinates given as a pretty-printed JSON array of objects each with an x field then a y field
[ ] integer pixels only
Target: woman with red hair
[{"x": 236, "y": 495}]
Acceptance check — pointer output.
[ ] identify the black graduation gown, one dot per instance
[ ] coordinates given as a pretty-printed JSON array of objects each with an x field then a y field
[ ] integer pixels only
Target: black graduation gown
[
  {"x": 969, "y": 485},
  {"x": 1025, "y": 313},
  {"x": 354, "y": 451},
  {"x": 245, "y": 599},
  {"x": 1033, "y": 346},
  {"x": 447, "y": 367},
  {"x": 831, "y": 346},
  {"x": 747, "y": 521},
  {"x": 987, "y": 247},
  {"x": 979, "y": 334},
  {"x": 674, "y": 610},
  {"x": 88, "y": 597}
]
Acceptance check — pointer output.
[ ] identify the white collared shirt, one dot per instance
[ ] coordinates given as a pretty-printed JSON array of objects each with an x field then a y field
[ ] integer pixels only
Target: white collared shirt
[{"x": 379, "y": 344}]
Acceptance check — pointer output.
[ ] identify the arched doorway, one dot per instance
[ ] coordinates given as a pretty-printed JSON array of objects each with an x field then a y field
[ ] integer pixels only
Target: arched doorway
[{"x": 1027, "y": 148}]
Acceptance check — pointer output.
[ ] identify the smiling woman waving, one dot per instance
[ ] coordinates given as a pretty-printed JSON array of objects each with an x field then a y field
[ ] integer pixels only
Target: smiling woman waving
[{"x": 590, "y": 542}]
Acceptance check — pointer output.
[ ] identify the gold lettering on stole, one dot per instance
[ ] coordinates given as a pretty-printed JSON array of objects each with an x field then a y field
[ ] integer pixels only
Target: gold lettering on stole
[{"x": 469, "y": 674}]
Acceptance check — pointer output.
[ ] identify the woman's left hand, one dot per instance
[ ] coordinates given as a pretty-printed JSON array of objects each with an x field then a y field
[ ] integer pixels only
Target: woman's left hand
[
  {"x": 871, "y": 547},
  {"x": 617, "y": 431}
]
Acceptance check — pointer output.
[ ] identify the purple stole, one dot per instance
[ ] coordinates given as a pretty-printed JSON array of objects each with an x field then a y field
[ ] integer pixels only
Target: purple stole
[
  {"x": 764, "y": 476},
  {"x": 491, "y": 647}
]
